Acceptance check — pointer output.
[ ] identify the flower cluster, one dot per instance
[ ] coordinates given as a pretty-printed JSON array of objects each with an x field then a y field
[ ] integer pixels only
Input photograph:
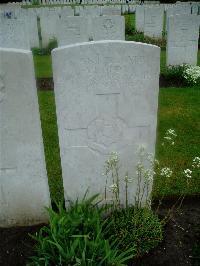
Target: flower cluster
[
  {"x": 111, "y": 163},
  {"x": 166, "y": 172},
  {"x": 113, "y": 188},
  {"x": 191, "y": 74},
  {"x": 196, "y": 163},
  {"x": 188, "y": 173},
  {"x": 169, "y": 137}
]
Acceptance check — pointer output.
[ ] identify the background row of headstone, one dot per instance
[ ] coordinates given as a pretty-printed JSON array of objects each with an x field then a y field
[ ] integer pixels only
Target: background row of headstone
[
  {"x": 22, "y": 30},
  {"x": 55, "y": 23},
  {"x": 182, "y": 30}
]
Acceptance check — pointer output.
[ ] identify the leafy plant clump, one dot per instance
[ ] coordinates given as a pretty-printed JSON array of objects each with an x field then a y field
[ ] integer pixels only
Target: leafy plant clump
[
  {"x": 46, "y": 50},
  {"x": 133, "y": 35},
  {"x": 76, "y": 237},
  {"x": 185, "y": 74},
  {"x": 136, "y": 227}
]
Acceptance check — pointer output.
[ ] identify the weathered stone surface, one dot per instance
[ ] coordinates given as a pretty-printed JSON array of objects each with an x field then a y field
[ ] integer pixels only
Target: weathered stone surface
[
  {"x": 139, "y": 18},
  {"x": 107, "y": 28},
  {"x": 106, "y": 98},
  {"x": 182, "y": 39},
  {"x": 72, "y": 30},
  {"x": 91, "y": 11},
  {"x": 179, "y": 9},
  {"x": 23, "y": 181},
  {"x": 13, "y": 34},
  {"x": 67, "y": 11},
  {"x": 48, "y": 20},
  {"x": 153, "y": 21},
  {"x": 30, "y": 20},
  {"x": 111, "y": 10}
]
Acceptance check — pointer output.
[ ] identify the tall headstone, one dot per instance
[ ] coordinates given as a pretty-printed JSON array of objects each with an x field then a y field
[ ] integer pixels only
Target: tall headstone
[
  {"x": 30, "y": 20},
  {"x": 24, "y": 188},
  {"x": 13, "y": 33},
  {"x": 48, "y": 20},
  {"x": 139, "y": 18},
  {"x": 153, "y": 21},
  {"x": 106, "y": 99},
  {"x": 178, "y": 9},
  {"x": 182, "y": 39}
]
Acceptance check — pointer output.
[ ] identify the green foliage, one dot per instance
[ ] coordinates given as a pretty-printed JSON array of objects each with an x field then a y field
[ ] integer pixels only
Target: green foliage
[
  {"x": 133, "y": 35},
  {"x": 51, "y": 144},
  {"x": 174, "y": 73},
  {"x": 76, "y": 237},
  {"x": 129, "y": 24},
  {"x": 46, "y": 50},
  {"x": 185, "y": 74},
  {"x": 35, "y": 2},
  {"x": 140, "y": 37},
  {"x": 179, "y": 108},
  {"x": 136, "y": 227}
]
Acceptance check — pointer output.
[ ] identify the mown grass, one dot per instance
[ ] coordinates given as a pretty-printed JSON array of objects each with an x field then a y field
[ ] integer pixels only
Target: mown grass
[
  {"x": 179, "y": 108},
  {"x": 43, "y": 66},
  {"x": 51, "y": 143}
]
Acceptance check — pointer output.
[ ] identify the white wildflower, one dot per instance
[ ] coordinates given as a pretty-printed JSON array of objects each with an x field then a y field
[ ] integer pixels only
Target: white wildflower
[
  {"x": 171, "y": 132},
  {"x": 188, "y": 173},
  {"x": 166, "y": 172},
  {"x": 191, "y": 74},
  {"x": 150, "y": 157},
  {"x": 113, "y": 188},
  {"x": 196, "y": 162},
  {"x": 127, "y": 179},
  {"x": 139, "y": 167},
  {"x": 149, "y": 174},
  {"x": 114, "y": 157},
  {"x": 169, "y": 137}
]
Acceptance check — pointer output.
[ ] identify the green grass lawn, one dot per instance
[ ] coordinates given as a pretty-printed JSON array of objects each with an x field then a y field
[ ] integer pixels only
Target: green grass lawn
[
  {"x": 51, "y": 146},
  {"x": 179, "y": 108},
  {"x": 43, "y": 66}
]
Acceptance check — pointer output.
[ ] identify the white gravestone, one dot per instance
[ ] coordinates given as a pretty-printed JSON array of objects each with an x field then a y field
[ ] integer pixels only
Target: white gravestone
[
  {"x": 106, "y": 99},
  {"x": 139, "y": 18},
  {"x": 13, "y": 34},
  {"x": 48, "y": 20},
  {"x": 67, "y": 11},
  {"x": 182, "y": 39},
  {"x": 107, "y": 28},
  {"x": 153, "y": 21},
  {"x": 111, "y": 10},
  {"x": 72, "y": 30},
  {"x": 177, "y": 10},
  {"x": 30, "y": 20},
  {"x": 91, "y": 11},
  {"x": 24, "y": 188}
]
